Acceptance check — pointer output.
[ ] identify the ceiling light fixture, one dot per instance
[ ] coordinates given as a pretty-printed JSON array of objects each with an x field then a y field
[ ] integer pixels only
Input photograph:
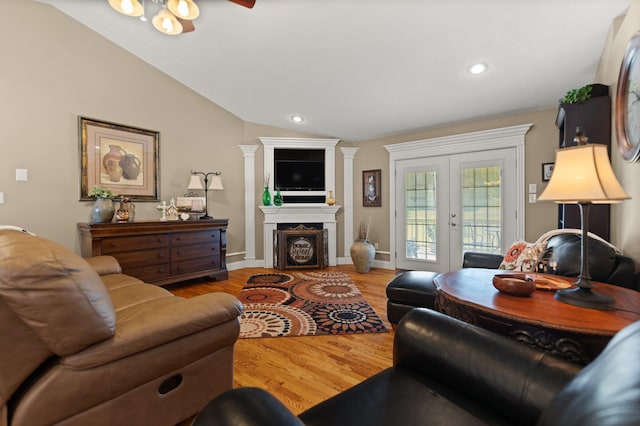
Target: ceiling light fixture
[
  {"x": 184, "y": 9},
  {"x": 127, "y": 7},
  {"x": 172, "y": 19},
  {"x": 478, "y": 68},
  {"x": 166, "y": 23},
  {"x": 297, "y": 118}
]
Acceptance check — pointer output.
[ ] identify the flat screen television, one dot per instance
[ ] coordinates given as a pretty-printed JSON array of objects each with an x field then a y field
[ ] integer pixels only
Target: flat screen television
[
  {"x": 299, "y": 175},
  {"x": 298, "y": 169}
]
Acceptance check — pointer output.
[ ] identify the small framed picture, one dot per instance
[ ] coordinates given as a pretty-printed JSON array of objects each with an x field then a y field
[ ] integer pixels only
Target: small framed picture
[
  {"x": 371, "y": 196},
  {"x": 547, "y": 171}
]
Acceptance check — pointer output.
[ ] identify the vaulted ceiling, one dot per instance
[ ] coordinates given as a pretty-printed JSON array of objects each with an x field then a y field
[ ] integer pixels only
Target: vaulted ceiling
[{"x": 364, "y": 69}]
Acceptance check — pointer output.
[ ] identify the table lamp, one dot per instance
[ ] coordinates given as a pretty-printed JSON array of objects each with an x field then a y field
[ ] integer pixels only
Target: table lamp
[
  {"x": 583, "y": 175},
  {"x": 196, "y": 183}
]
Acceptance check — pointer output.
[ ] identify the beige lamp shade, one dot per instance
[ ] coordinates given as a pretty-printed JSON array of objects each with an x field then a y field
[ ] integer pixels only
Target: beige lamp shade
[
  {"x": 583, "y": 174},
  {"x": 216, "y": 183},
  {"x": 166, "y": 23},
  {"x": 127, "y": 7},
  {"x": 195, "y": 183},
  {"x": 184, "y": 9}
]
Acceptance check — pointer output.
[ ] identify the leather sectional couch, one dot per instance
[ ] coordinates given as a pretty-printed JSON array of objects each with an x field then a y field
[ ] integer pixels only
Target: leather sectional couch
[
  {"x": 447, "y": 372},
  {"x": 83, "y": 344},
  {"x": 605, "y": 265},
  {"x": 415, "y": 289}
]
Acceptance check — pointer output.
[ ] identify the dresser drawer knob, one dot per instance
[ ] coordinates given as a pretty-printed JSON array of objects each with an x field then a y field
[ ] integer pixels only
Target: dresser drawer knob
[
  {"x": 113, "y": 244},
  {"x": 161, "y": 255}
]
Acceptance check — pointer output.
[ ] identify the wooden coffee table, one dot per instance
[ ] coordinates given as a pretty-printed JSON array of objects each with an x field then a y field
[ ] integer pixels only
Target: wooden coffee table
[{"x": 571, "y": 332}]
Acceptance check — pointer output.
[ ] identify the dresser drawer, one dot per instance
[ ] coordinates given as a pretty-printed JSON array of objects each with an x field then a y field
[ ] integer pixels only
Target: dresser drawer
[
  {"x": 191, "y": 265},
  {"x": 143, "y": 257},
  {"x": 149, "y": 273},
  {"x": 189, "y": 238},
  {"x": 194, "y": 251},
  {"x": 115, "y": 245}
]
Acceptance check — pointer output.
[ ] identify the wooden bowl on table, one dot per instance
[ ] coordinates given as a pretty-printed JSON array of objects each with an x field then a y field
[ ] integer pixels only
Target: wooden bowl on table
[{"x": 514, "y": 284}]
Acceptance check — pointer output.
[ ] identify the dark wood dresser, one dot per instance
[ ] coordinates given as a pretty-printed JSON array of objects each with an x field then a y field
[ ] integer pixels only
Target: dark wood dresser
[{"x": 161, "y": 252}]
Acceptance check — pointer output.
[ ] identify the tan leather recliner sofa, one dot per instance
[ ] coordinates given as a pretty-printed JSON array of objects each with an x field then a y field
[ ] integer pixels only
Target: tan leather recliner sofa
[{"x": 83, "y": 344}]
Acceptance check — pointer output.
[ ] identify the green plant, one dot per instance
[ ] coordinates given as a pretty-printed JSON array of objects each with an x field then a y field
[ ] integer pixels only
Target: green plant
[
  {"x": 576, "y": 96},
  {"x": 97, "y": 192}
]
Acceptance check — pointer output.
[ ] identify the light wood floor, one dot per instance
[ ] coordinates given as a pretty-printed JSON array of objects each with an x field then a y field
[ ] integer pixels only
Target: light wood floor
[{"x": 303, "y": 371}]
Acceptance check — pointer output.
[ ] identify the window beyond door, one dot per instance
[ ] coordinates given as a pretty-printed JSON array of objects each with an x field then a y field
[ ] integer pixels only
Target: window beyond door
[
  {"x": 421, "y": 215},
  {"x": 481, "y": 206}
]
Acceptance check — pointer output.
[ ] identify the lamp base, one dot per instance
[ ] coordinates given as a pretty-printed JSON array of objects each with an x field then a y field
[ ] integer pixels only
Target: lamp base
[
  {"x": 205, "y": 217},
  {"x": 585, "y": 298}
]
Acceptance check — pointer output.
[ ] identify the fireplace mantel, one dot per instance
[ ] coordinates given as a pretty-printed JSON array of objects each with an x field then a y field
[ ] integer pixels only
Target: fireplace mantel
[{"x": 299, "y": 213}]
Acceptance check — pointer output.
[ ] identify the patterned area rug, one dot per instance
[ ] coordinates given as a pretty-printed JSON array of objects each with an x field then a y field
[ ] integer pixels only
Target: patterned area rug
[{"x": 305, "y": 304}]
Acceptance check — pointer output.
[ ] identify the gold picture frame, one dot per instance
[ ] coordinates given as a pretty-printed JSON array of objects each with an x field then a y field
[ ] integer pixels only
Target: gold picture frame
[{"x": 122, "y": 158}]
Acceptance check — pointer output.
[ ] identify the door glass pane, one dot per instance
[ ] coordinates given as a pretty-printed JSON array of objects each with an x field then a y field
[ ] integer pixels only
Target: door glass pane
[
  {"x": 420, "y": 202},
  {"x": 481, "y": 209}
]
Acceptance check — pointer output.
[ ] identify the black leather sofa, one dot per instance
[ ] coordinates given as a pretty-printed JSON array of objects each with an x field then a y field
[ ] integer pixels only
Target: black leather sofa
[
  {"x": 605, "y": 265},
  {"x": 447, "y": 372},
  {"x": 415, "y": 289}
]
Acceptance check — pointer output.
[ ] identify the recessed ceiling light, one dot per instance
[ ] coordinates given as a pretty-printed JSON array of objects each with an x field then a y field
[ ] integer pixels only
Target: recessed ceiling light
[
  {"x": 478, "y": 68},
  {"x": 297, "y": 118}
]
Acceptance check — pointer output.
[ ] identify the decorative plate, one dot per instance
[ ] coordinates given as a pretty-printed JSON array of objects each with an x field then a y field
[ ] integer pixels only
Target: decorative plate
[
  {"x": 627, "y": 114},
  {"x": 547, "y": 282}
]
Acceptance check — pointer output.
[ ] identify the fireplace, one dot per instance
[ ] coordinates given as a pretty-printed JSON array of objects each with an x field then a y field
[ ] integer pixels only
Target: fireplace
[
  {"x": 322, "y": 216},
  {"x": 300, "y": 247}
]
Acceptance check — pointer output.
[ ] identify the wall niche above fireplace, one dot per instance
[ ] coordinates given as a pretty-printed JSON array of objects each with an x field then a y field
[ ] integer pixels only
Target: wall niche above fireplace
[{"x": 303, "y": 168}]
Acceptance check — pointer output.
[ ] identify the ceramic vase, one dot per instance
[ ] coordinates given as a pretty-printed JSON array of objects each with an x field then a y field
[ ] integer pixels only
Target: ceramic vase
[
  {"x": 115, "y": 154},
  {"x": 362, "y": 255},
  {"x": 102, "y": 211},
  {"x": 266, "y": 196},
  {"x": 130, "y": 166}
]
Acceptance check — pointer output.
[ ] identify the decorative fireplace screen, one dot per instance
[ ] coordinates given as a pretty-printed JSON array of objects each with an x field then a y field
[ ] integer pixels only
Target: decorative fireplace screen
[{"x": 300, "y": 247}]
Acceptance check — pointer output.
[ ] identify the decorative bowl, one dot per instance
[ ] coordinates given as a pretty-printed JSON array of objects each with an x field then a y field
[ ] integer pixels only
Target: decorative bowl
[{"x": 515, "y": 285}]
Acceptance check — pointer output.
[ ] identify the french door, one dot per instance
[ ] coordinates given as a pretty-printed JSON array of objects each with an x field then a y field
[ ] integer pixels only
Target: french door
[{"x": 447, "y": 205}]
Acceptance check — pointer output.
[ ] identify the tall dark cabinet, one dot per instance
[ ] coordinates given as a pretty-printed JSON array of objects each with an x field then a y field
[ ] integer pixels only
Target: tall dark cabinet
[{"x": 594, "y": 116}]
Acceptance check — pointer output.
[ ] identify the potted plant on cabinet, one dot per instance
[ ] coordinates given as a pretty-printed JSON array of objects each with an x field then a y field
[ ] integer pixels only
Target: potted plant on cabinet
[{"x": 103, "y": 208}]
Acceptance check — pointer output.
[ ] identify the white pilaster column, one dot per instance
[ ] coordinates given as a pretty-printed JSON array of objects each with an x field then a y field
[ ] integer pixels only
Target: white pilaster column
[
  {"x": 349, "y": 155},
  {"x": 249, "y": 154}
]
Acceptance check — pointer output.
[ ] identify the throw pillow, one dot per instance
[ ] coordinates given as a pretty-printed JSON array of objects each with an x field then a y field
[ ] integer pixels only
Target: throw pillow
[{"x": 522, "y": 256}]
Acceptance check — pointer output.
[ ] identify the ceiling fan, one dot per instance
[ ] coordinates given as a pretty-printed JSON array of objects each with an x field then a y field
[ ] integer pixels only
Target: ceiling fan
[{"x": 175, "y": 17}]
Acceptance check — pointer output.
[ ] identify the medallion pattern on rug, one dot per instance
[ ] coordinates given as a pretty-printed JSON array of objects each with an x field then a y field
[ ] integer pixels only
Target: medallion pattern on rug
[{"x": 305, "y": 304}]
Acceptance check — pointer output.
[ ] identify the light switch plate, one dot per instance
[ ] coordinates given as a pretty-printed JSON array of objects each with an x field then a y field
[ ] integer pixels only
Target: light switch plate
[
  {"x": 532, "y": 198},
  {"x": 533, "y": 188},
  {"x": 22, "y": 175},
  {"x": 1, "y": 197}
]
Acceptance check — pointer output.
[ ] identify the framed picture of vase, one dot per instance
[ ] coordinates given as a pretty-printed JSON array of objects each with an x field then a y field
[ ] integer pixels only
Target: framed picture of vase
[
  {"x": 122, "y": 158},
  {"x": 371, "y": 196}
]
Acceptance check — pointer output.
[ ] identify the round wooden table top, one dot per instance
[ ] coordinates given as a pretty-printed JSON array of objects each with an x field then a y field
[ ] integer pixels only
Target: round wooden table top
[{"x": 473, "y": 287}]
